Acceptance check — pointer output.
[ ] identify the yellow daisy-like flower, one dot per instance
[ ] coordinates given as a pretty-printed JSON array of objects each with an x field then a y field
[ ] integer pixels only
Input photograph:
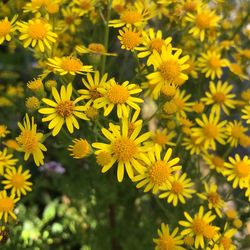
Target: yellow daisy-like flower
[
  {"x": 246, "y": 114},
  {"x": 220, "y": 97},
  {"x": 68, "y": 65},
  {"x": 12, "y": 144},
  {"x": 213, "y": 198},
  {"x": 167, "y": 240},
  {"x": 234, "y": 131},
  {"x": 62, "y": 110},
  {"x": 159, "y": 171},
  {"x": 225, "y": 240},
  {"x": 204, "y": 20},
  {"x": 180, "y": 190},
  {"x": 124, "y": 149},
  {"x": 37, "y": 33},
  {"x": 94, "y": 49},
  {"x": 92, "y": 83},
  {"x": 210, "y": 131},
  {"x": 152, "y": 41},
  {"x": 17, "y": 180},
  {"x": 30, "y": 141},
  {"x": 6, "y": 161},
  {"x": 35, "y": 5},
  {"x": 214, "y": 161},
  {"x": 120, "y": 96},
  {"x": 211, "y": 64},
  {"x": 80, "y": 148},
  {"x": 190, "y": 144},
  {"x": 7, "y": 204},
  {"x": 6, "y": 28},
  {"x": 3, "y": 131},
  {"x": 238, "y": 171},
  {"x": 168, "y": 67},
  {"x": 199, "y": 227}
]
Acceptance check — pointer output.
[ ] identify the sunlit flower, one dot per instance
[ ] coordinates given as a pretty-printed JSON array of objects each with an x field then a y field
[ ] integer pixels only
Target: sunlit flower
[
  {"x": 6, "y": 161},
  {"x": 246, "y": 114},
  {"x": 190, "y": 143},
  {"x": 94, "y": 48},
  {"x": 225, "y": 241},
  {"x": 79, "y": 149},
  {"x": 214, "y": 161},
  {"x": 7, "y": 28},
  {"x": 3, "y": 131}
]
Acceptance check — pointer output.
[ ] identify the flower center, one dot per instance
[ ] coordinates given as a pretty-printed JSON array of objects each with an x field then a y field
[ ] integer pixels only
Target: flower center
[
  {"x": 65, "y": 108},
  {"x": 97, "y": 47},
  {"x": 167, "y": 243},
  {"x": 214, "y": 198},
  {"x": 5, "y": 27},
  {"x": 130, "y": 16},
  {"x": 198, "y": 226},
  {"x": 131, "y": 39},
  {"x": 242, "y": 169},
  {"x": 159, "y": 172},
  {"x": 218, "y": 162},
  {"x": 180, "y": 103},
  {"x": 28, "y": 141},
  {"x": 124, "y": 149},
  {"x": 37, "y": 30},
  {"x": 85, "y": 4},
  {"x": 211, "y": 131},
  {"x": 80, "y": 149},
  {"x": 236, "y": 131},
  {"x": 6, "y": 204},
  {"x": 156, "y": 44},
  {"x": 103, "y": 158},
  {"x": 161, "y": 139},
  {"x": 209, "y": 232},
  {"x": 118, "y": 94},
  {"x": 226, "y": 242},
  {"x": 17, "y": 181},
  {"x": 203, "y": 20},
  {"x": 214, "y": 62},
  {"x": 219, "y": 97},
  {"x": 170, "y": 70},
  {"x": 177, "y": 187},
  {"x": 71, "y": 64},
  {"x": 190, "y": 6}
]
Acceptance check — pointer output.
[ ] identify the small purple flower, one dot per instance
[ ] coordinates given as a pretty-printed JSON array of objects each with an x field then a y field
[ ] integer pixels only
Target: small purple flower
[{"x": 53, "y": 166}]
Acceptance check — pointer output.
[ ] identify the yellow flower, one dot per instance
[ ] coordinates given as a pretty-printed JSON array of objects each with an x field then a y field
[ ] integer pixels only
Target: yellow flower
[
  {"x": 93, "y": 48},
  {"x": 124, "y": 149},
  {"x": 12, "y": 144},
  {"x": 214, "y": 161},
  {"x": 32, "y": 103},
  {"x": 167, "y": 240},
  {"x": 213, "y": 198},
  {"x": 17, "y": 180},
  {"x": 246, "y": 114},
  {"x": 80, "y": 148},
  {"x": 92, "y": 83},
  {"x": 3, "y": 131},
  {"x": 211, "y": 64},
  {"x": 225, "y": 240},
  {"x": 68, "y": 65},
  {"x": 234, "y": 131},
  {"x": 168, "y": 67},
  {"x": 219, "y": 97},
  {"x": 199, "y": 227},
  {"x": 62, "y": 110},
  {"x": 180, "y": 189},
  {"x": 30, "y": 141},
  {"x": 181, "y": 101},
  {"x": 159, "y": 171},
  {"x": 120, "y": 96},
  {"x": 85, "y": 6},
  {"x": 6, "y": 161},
  {"x": 204, "y": 20},
  {"x": 210, "y": 131},
  {"x": 36, "y": 33},
  {"x": 190, "y": 143},
  {"x": 7, "y": 204},
  {"x": 36, "y": 86},
  {"x": 237, "y": 70},
  {"x": 35, "y": 5},
  {"x": 6, "y": 28},
  {"x": 238, "y": 171}
]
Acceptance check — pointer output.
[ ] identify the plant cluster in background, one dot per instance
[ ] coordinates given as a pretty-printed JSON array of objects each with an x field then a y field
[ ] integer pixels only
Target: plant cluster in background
[{"x": 120, "y": 117}]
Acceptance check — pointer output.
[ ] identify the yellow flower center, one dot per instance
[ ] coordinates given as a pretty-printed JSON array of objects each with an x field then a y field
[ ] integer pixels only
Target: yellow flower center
[
  {"x": 177, "y": 187},
  {"x": 17, "y": 181},
  {"x": 103, "y": 158},
  {"x": 97, "y": 47},
  {"x": 180, "y": 103},
  {"x": 203, "y": 20},
  {"x": 131, "y": 39},
  {"x": 85, "y": 4},
  {"x": 190, "y": 6},
  {"x": 210, "y": 131},
  {"x": 159, "y": 173},
  {"x": 170, "y": 70},
  {"x": 37, "y": 30},
  {"x": 170, "y": 107},
  {"x": 226, "y": 242},
  {"x": 214, "y": 62},
  {"x": 156, "y": 44},
  {"x": 80, "y": 148},
  {"x": 209, "y": 231},
  {"x": 6, "y": 204},
  {"x": 118, "y": 94},
  {"x": 91, "y": 112},
  {"x": 28, "y": 141},
  {"x": 218, "y": 162},
  {"x": 219, "y": 97},
  {"x": 71, "y": 64},
  {"x": 236, "y": 131},
  {"x": 214, "y": 198},
  {"x": 169, "y": 90},
  {"x": 231, "y": 214},
  {"x": 160, "y": 139},
  {"x": 35, "y": 85},
  {"x": 65, "y": 108},
  {"x": 130, "y": 16},
  {"x": 124, "y": 149},
  {"x": 198, "y": 226},
  {"x": 198, "y": 107},
  {"x": 188, "y": 240},
  {"x": 167, "y": 243},
  {"x": 5, "y": 28},
  {"x": 242, "y": 169}
]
